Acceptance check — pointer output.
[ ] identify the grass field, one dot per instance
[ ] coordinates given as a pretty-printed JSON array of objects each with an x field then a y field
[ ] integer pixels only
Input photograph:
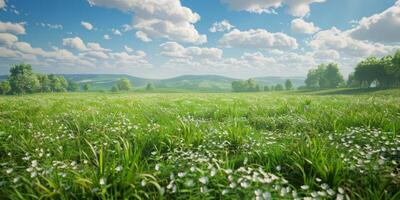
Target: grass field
[{"x": 309, "y": 145}]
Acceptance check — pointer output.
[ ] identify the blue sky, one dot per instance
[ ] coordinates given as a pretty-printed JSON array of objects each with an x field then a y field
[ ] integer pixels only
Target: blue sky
[{"x": 166, "y": 38}]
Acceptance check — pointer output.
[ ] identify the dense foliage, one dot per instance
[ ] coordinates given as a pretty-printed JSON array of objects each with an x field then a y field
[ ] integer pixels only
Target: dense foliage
[
  {"x": 381, "y": 72},
  {"x": 200, "y": 146},
  {"x": 325, "y": 76},
  {"x": 122, "y": 85},
  {"x": 22, "y": 80},
  {"x": 249, "y": 85}
]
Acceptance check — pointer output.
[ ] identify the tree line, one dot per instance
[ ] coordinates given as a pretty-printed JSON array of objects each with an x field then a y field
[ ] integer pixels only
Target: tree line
[
  {"x": 372, "y": 72},
  {"x": 22, "y": 80},
  {"x": 252, "y": 85}
]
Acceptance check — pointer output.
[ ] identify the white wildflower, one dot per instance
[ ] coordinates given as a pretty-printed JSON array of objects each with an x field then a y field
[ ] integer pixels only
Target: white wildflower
[{"x": 203, "y": 180}]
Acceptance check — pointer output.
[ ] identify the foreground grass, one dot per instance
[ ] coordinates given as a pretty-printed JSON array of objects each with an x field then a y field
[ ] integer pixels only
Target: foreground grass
[{"x": 200, "y": 146}]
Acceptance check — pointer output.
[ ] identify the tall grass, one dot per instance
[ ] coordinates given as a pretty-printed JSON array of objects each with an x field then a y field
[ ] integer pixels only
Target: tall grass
[{"x": 200, "y": 146}]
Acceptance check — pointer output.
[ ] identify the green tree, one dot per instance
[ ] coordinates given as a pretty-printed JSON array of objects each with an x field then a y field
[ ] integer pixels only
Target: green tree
[
  {"x": 114, "y": 89},
  {"x": 279, "y": 87},
  {"x": 325, "y": 76},
  {"x": 332, "y": 76},
  {"x": 352, "y": 82},
  {"x": 374, "y": 70},
  {"x": 124, "y": 84},
  {"x": 267, "y": 88},
  {"x": 313, "y": 77},
  {"x": 45, "y": 83},
  {"x": 22, "y": 80},
  {"x": 86, "y": 87},
  {"x": 249, "y": 85},
  {"x": 150, "y": 87},
  {"x": 394, "y": 67},
  {"x": 5, "y": 87},
  {"x": 73, "y": 86},
  {"x": 288, "y": 84}
]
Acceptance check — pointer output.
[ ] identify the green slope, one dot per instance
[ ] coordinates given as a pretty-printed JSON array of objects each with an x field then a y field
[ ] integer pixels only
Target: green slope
[{"x": 198, "y": 83}]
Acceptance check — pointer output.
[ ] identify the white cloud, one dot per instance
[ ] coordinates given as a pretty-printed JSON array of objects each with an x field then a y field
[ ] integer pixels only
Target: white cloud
[
  {"x": 173, "y": 49},
  {"x": 143, "y": 36},
  {"x": 96, "y": 47},
  {"x": 128, "y": 49},
  {"x": 258, "y": 39},
  {"x": 107, "y": 37},
  {"x": 381, "y": 27},
  {"x": 298, "y": 8},
  {"x": 116, "y": 32},
  {"x": 16, "y": 28},
  {"x": 221, "y": 26},
  {"x": 159, "y": 18},
  {"x": 87, "y": 57},
  {"x": 335, "y": 39},
  {"x": 75, "y": 43},
  {"x": 87, "y": 25},
  {"x": 2, "y": 4},
  {"x": 126, "y": 28},
  {"x": 300, "y": 26},
  {"x": 8, "y": 39}
]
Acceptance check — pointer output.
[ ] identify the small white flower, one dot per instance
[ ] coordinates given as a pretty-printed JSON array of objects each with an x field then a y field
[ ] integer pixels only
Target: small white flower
[
  {"x": 203, "y": 180},
  {"x": 33, "y": 174},
  {"x": 102, "y": 181},
  {"x": 34, "y": 163},
  {"x": 16, "y": 179},
  {"x": 9, "y": 171},
  {"x": 118, "y": 168},
  {"x": 318, "y": 179},
  {"x": 228, "y": 171},
  {"x": 225, "y": 191},
  {"x": 213, "y": 172},
  {"x": 157, "y": 167},
  {"x": 143, "y": 183},
  {"x": 278, "y": 168},
  {"x": 181, "y": 174},
  {"x": 244, "y": 184},
  {"x": 304, "y": 187},
  {"x": 267, "y": 195},
  {"x": 340, "y": 190},
  {"x": 331, "y": 192}
]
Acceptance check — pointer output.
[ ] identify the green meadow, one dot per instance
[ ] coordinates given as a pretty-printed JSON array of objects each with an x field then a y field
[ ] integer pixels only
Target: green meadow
[{"x": 336, "y": 144}]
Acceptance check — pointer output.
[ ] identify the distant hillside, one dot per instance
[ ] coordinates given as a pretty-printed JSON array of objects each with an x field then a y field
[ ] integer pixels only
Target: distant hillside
[
  {"x": 199, "y": 83},
  {"x": 104, "y": 81},
  {"x": 273, "y": 80},
  {"x": 211, "y": 83}
]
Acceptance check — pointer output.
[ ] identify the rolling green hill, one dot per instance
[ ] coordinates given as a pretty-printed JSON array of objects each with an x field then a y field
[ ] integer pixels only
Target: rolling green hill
[{"x": 198, "y": 83}]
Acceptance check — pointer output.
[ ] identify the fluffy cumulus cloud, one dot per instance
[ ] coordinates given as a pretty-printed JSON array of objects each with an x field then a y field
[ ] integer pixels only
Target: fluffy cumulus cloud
[
  {"x": 142, "y": 36},
  {"x": 7, "y": 39},
  {"x": 299, "y": 8},
  {"x": 87, "y": 25},
  {"x": 341, "y": 41},
  {"x": 15, "y": 28},
  {"x": 221, "y": 26},
  {"x": 159, "y": 18},
  {"x": 76, "y": 43},
  {"x": 173, "y": 49},
  {"x": 77, "y": 55},
  {"x": 381, "y": 27},
  {"x": 249, "y": 64},
  {"x": 2, "y": 4},
  {"x": 258, "y": 39},
  {"x": 300, "y": 26}
]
